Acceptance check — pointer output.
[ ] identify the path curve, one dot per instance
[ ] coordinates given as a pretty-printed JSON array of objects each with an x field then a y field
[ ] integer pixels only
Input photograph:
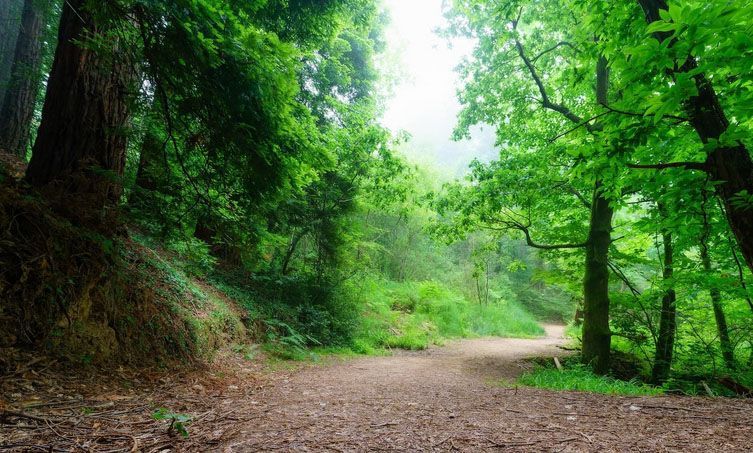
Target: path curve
[{"x": 449, "y": 399}]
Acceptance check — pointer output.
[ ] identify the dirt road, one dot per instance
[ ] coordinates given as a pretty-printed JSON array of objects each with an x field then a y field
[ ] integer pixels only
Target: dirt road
[
  {"x": 443, "y": 399},
  {"x": 448, "y": 399}
]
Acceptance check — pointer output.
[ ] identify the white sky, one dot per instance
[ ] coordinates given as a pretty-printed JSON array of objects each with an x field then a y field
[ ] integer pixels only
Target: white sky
[{"x": 425, "y": 99}]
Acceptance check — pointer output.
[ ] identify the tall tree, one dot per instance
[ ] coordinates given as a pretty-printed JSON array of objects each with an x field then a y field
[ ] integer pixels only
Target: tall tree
[
  {"x": 728, "y": 351},
  {"x": 596, "y": 331},
  {"x": 665, "y": 343},
  {"x": 82, "y": 138},
  {"x": 728, "y": 160},
  {"x": 17, "y": 108},
  {"x": 10, "y": 18}
]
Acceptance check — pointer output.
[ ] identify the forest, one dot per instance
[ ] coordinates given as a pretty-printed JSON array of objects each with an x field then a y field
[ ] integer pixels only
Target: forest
[{"x": 193, "y": 184}]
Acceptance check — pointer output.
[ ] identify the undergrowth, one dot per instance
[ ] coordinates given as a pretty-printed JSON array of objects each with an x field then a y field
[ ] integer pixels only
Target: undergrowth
[
  {"x": 694, "y": 371},
  {"x": 581, "y": 378},
  {"x": 414, "y": 315}
]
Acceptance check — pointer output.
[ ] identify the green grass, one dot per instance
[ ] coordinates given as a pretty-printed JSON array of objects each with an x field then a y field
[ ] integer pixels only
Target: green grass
[
  {"x": 414, "y": 315},
  {"x": 581, "y": 379},
  {"x": 503, "y": 319}
]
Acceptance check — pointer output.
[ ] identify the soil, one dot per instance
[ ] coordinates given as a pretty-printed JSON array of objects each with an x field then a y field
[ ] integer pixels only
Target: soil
[{"x": 459, "y": 397}]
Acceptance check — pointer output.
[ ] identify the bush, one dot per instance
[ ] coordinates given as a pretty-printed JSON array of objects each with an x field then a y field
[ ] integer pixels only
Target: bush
[{"x": 300, "y": 311}]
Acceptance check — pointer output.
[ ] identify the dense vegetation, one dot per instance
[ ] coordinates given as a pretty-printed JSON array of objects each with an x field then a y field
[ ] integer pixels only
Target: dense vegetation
[
  {"x": 211, "y": 171},
  {"x": 214, "y": 171},
  {"x": 623, "y": 130}
]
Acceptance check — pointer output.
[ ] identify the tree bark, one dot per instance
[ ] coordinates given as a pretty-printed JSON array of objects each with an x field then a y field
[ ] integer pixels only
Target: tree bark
[
  {"x": 730, "y": 165},
  {"x": 81, "y": 141},
  {"x": 597, "y": 337},
  {"x": 721, "y": 320},
  {"x": 665, "y": 343},
  {"x": 728, "y": 353},
  {"x": 10, "y": 20},
  {"x": 17, "y": 108},
  {"x": 145, "y": 183}
]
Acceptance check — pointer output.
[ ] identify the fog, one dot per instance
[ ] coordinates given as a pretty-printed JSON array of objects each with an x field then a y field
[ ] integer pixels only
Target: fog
[{"x": 424, "y": 100}]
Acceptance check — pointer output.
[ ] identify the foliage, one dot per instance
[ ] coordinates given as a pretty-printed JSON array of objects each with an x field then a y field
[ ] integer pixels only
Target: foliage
[
  {"x": 580, "y": 378},
  {"x": 257, "y": 170},
  {"x": 632, "y": 138},
  {"x": 415, "y": 315},
  {"x": 178, "y": 422}
]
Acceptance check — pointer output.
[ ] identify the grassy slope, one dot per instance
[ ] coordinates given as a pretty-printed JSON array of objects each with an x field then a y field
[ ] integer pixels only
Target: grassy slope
[
  {"x": 155, "y": 314},
  {"x": 159, "y": 312},
  {"x": 414, "y": 315}
]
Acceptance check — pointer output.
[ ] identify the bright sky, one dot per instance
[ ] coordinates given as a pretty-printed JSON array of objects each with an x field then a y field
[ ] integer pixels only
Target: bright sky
[{"x": 425, "y": 102}]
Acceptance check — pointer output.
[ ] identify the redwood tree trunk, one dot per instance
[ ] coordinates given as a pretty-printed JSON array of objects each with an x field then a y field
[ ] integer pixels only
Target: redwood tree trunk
[
  {"x": 17, "y": 108},
  {"x": 597, "y": 337},
  {"x": 145, "y": 184},
  {"x": 81, "y": 142},
  {"x": 10, "y": 19},
  {"x": 665, "y": 343},
  {"x": 730, "y": 165}
]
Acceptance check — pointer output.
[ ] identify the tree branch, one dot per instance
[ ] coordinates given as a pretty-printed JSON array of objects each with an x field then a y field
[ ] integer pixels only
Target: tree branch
[
  {"x": 515, "y": 225},
  {"x": 621, "y": 275},
  {"x": 641, "y": 115},
  {"x": 531, "y": 243},
  {"x": 545, "y": 101},
  {"x": 567, "y": 186},
  {"x": 585, "y": 123},
  {"x": 554, "y": 47},
  {"x": 686, "y": 165}
]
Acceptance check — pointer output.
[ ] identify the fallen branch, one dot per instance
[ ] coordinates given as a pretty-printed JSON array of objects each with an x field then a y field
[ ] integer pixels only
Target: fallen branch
[
  {"x": 529, "y": 443},
  {"x": 380, "y": 425},
  {"x": 11, "y": 414}
]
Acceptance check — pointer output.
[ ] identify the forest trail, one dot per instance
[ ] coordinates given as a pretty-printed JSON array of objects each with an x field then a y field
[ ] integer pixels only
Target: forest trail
[
  {"x": 459, "y": 397},
  {"x": 449, "y": 398}
]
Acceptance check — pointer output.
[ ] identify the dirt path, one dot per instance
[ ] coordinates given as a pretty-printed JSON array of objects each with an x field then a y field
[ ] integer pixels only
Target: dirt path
[{"x": 445, "y": 399}]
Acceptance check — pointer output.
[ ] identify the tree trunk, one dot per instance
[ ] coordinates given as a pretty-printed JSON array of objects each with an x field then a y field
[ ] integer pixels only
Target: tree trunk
[
  {"x": 597, "y": 337},
  {"x": 17, "y": 108},
  {"x": 728, "y": 352},
  {"x": 81, "y": 142},
  {"x": 10, "y": 20},
  {"x": 665, "y": 343},
  {"x": 145, "y": 184},
  {"x": 731, "y": 165},
  {"x": 716, "y": 296},
  {"x": 285, "y": 267}
]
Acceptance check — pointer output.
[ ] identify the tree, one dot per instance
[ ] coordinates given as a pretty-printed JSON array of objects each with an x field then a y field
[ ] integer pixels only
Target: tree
[
  {"x": 17, "y": 108},
  {"x": 665, "y": 343},
  {"x": 81, "y": 142},
  {"x": 728, "y": 351},
  {"x": 728, "y": 160},
  {"x": 596, "y": 332},
  {"x": 10, "y": 19}
]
